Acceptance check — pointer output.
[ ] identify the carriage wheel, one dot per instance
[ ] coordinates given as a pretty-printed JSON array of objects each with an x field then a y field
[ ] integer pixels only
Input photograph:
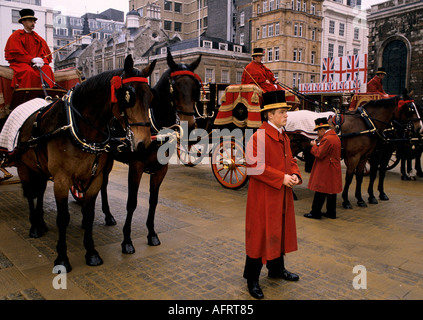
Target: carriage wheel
[
  {"x": 228, "y": 164},
  {"x": 190, "y": 157},
  {"x": 393, "y": 162},
  {"x": 77, "y": 195}
]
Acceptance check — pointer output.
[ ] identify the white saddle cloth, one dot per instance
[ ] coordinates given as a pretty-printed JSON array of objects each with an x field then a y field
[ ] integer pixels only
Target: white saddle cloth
[
  {"x": 302, "y": 122},
  {"x": 10, "y": 133}
]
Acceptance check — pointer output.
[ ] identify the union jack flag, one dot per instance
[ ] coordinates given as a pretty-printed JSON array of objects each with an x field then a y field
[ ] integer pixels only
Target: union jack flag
[
  {"x": 328, "y": 67},
  {"x": 353, "y": 64}
]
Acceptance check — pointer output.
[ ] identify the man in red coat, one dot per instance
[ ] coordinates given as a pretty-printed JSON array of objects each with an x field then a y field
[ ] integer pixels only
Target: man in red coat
[
  {"x": 256, "y": 73},
  {"x": 375, "y": 84},
  {"x": 270, "y": 230},
  {"x": 326, "y": 175},
  {"x": 27, "y": 53}
]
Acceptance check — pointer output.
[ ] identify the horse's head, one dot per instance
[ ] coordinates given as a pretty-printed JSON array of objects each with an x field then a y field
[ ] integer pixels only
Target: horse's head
[
  {"x": 133, "y": 96},
  {"x": 185, "y": 88},
  {"x": 409, "y": 115}
]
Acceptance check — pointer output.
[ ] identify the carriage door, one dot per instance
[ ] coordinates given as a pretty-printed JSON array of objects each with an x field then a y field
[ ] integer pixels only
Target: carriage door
[{"x": 395, "y": 64}]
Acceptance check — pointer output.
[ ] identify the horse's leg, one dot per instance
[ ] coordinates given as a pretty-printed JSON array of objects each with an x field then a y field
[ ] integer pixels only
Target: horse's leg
[
  {"x": 40, "y": 204},
  {"x": 155, "y": 183},
  {"x": 418, "y": 164},
  {"x": 404, "y": 175},
  {"x": 374, "y": 163},
  {"x": 359, "y": 180},
  {"x": 348, "y": 179},
  {"x": 62, "y": 221},
  {"x": 109, "y": 219},
  {"x": 92, "y": 258},
  {"x": 135, "y": 172},
  {"x": 382, "y": 173}
]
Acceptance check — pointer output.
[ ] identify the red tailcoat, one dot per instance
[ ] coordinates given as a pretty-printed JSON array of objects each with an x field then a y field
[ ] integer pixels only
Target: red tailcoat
[
  {"x": 260, "y": 74},
  {"x": 375, "y": 85},
  {"x": 21, "y": 48},
  {"x": 326, "y": 174},
  {"x": 270, "y": 217}
]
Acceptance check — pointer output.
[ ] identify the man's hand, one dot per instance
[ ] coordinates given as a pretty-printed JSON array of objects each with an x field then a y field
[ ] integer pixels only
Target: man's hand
[
  {"x": 37, "y": 62},
  {"x": 290, "y": 181}
]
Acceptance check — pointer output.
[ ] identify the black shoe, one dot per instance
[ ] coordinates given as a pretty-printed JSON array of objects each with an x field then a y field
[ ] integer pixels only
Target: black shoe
[
  {"x": 284, "y": 274},
  {"x": 312, "y": 216},
  {"x": 329, "y": 215},
  {"x": 255, "y": 290}
]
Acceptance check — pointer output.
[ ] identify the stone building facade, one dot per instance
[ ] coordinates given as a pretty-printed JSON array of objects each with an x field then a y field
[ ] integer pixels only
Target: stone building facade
[{"x": 396, "y": 44}]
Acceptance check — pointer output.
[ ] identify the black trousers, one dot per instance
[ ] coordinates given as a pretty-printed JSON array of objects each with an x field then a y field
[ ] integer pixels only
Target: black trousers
[
  {"x": 319, "y": 200},
  {"x": 253, "y": 267}
]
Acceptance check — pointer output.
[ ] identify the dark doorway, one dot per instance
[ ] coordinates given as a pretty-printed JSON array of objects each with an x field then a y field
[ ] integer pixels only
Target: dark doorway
[{"x": 395, "y": 64}]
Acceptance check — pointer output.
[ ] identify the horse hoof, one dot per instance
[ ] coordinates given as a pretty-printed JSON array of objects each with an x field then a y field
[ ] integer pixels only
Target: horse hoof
[
  {"x": 110, "y": 221},
  {"x": 347, "y": 205},
  {"x": 36, "y": 232},
  {"x": 128, "y": 248},
  {"x": 59, "y": 264},
  {"x": 407, "y": 178},
  {"x": 383, "y": 197},
  {"x": 361, "y": 204},
  {"x": 93, "y": 260},
  {"x": 372, "y": 200},
  {"x": 153, "y": 241}
]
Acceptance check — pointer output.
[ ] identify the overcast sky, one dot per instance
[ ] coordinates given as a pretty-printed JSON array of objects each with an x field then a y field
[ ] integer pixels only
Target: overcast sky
[{"x": 79, "y": 7}]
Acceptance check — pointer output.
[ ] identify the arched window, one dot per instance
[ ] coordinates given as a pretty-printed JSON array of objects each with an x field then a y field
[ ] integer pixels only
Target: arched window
[{"x": 394, "y": 60}]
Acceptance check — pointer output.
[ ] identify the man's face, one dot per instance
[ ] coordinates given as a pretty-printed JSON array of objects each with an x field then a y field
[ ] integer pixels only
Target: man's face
[
  {"x": 258, "y": 58},
  {"x": 29, "y": 24},
  {"x": 279, "y": 117},
  {"x": 321, "y": 132}
]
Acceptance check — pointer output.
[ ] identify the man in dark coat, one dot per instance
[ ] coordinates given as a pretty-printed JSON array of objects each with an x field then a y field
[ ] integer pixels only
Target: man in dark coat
[
  {"x": 27, "y": 53},
  {"x": 270, "y": 230},
  {"x": 326, "y": 175}
]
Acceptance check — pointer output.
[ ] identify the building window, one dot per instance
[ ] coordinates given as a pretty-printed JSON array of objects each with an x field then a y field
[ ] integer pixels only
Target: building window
[
  {"x": 241, "y": 39},
  {"x": 313, "y": 8},
  {"x": 295, "y": 29},
  {"x": 223, "y": 46},
  {"x": 61, "y": 31},
  {"x": 238, "y": 76},
  {"x": 168, "y": 5},
  {"x": 264, "y": 33},
  {"x": 225, "y": 76},
  {"x": 76, "y": 32},
  {"x": 209, "y": 75},
  {"x": 294, "y": 80},
  {"x": 294, "y": 57},
  {"x": 258, "y": 33},
  {"x": 356, "y": 51},
  {"x": 207, "y": 44},
  {"x": 271, "y": 4},
  {"x": 330, "y": 50},
  {"x": 356, "y": 33},
  {"x": 178, "y": 26},
  {"x": 276, "y": 53},
  {"x": 332, "y": 27},
  {"x": 15, "y": 16},
  {"x": 300, "y": 55},
  {"x": 341, "y": 29},
  {"x": 168, "y": 25},
  {"x": 242, "y": 19},
  {"x": 237, "y": 48},
  {"x": 312, "y": 78},
  {"x": 305, "y": 6},
  {"x": 178, "y": 7},
  {"x": 270, "y": 30},
  {"x": 264, "y": 6},
  {"x": 313, "y": 34},
  {"x": 298, "y": 5},
  {"x": 269, "y": 54},
  {"x": 277, "y": 29},
  {"x": 301, "y": 30},
  {"x": 313, "y": 57},
  {"x": 340, "y": 51}
]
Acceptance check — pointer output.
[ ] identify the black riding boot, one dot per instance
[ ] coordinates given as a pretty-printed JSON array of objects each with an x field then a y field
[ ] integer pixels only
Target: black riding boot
[
  {"x": 252, "y": 271},
  {"x": 277, "y": 270}
]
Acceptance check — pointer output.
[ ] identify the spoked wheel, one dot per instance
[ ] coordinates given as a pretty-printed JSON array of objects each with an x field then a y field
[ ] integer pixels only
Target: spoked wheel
[
  {"x": 229, "y": 165},
  {"x": 393, "y": 162},
  {"x": 77, "y": 195},
  {"x": 190, "y": 155}
]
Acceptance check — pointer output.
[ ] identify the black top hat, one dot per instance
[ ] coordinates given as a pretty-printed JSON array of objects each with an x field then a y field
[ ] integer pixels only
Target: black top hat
[
  {"x": 27, "y": 14},
  {"x": 381, "y": 70},
  {"x": 321, "y": 123},
  {"x": 274, "y": 100},
  {"x": 258, "y": 52}
]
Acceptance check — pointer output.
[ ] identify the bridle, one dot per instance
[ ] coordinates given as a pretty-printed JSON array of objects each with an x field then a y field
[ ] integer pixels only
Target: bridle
[{"x": 125, "y": 97}]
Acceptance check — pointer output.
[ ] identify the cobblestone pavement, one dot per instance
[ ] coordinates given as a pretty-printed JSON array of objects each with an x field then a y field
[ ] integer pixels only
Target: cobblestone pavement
[{"x": 201, "y": 228}]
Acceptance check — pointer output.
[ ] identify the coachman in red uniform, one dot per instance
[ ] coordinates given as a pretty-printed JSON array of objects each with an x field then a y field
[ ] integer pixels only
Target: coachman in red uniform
[
  {"x": 26, "y": 52},
  {"x": 375, "y": 84},
  {"x": 256, "y": 73},
  {"x": 326, "y": 175},
  {"x": 270, "y": 230}
]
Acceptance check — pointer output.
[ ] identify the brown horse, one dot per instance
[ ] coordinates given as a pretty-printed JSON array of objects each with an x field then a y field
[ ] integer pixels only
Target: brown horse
[
  {"x": 175, "y": 96},
  {"x": 67, "y": 142},
  {"x": 359, "y": 134}
]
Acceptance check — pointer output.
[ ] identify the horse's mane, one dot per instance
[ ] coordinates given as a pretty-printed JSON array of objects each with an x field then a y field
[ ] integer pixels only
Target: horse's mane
[
  {"x": 95, "y": 89},
  {"x": 382, "y": 103}
]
